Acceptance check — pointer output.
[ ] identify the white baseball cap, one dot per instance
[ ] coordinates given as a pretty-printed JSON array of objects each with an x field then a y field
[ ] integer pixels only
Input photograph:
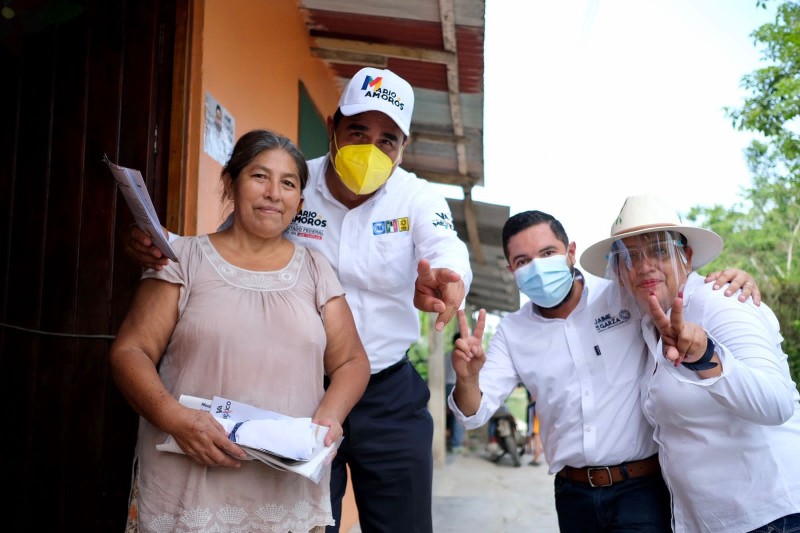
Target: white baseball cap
[{"x": 374, "y": 89}]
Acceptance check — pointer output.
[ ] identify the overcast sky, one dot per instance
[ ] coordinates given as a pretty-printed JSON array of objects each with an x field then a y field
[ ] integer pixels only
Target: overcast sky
[{"x": 589, "y": 101}]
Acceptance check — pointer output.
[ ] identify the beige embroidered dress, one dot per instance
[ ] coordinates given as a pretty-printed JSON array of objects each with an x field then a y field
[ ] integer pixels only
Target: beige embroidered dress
[{"x": 253, "y": 337}]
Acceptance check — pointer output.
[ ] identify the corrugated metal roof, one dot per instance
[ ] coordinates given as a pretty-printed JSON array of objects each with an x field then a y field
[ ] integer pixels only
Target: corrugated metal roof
[{"x": 439, "y": 51}]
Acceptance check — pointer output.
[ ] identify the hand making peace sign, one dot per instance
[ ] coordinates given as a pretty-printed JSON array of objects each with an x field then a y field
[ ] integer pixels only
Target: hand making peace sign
[
  {"x": 468, "y": 356},
  {"x": 681, "y": 340}
]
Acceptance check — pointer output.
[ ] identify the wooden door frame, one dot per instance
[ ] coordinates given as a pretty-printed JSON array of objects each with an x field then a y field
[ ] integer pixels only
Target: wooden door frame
[{"x": 184, "y": 142}]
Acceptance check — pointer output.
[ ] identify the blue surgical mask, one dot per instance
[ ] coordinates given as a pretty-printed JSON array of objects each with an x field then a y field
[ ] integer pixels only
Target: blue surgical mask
[{"x": 546, "y": 280}]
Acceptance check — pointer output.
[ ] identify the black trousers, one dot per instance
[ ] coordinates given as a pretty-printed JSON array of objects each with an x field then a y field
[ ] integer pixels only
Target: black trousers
[{"x": 387, "y": 445}]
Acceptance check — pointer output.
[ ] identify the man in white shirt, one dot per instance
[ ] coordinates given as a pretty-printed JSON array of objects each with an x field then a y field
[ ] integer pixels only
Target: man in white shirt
[
  {"x": 579, "y": 352},
  {"x": 391, "y": 240}
]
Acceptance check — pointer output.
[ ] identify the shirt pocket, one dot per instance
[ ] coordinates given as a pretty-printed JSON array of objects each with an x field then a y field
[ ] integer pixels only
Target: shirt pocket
[
  {"x": 391, "y": 262},
  {"x": 622, "y": 352}
]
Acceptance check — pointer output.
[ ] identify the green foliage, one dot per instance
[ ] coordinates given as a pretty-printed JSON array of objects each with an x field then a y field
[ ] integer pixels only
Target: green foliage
[
  {"x": 761, "y": 233},
  {"x": 418, "y": 352}
]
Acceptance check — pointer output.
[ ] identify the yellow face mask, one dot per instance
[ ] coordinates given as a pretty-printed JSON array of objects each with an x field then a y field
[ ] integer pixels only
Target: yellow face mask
[{"x": 362, "y": 167}]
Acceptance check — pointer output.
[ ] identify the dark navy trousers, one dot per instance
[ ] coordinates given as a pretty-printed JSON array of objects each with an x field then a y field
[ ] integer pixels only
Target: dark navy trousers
[
  {"x": 786, "y": 524},
  {"x": 387, "y": 445}
]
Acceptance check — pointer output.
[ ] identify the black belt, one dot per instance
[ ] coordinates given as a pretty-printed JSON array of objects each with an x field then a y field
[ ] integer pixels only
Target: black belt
[{"x": 377, "y": 377}]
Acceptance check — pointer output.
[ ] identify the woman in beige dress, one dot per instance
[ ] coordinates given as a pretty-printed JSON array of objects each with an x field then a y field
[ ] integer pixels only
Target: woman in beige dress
[{"x": 246, "y": 315}]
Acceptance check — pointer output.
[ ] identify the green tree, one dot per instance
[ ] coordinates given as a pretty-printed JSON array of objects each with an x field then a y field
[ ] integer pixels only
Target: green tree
[
  {"x": 418, "y": 352},
  {"x": 762, "y": 232}
]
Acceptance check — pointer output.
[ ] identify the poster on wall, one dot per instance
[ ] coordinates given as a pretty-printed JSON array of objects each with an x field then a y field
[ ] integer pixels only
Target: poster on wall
[{"x": 218, "y": 137}]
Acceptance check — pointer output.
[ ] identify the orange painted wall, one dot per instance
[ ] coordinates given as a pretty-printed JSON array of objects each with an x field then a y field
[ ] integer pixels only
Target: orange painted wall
[{"x": 255, "y": 53}]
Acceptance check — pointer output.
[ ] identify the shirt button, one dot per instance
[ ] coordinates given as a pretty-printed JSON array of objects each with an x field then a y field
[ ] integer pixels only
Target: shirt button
[
  {"x": 588, "y": 429},
  {"x": 586, "y": 393}
]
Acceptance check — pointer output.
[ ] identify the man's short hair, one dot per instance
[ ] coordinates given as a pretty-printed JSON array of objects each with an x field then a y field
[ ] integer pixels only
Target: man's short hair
[{"x": 526, "y": 219}]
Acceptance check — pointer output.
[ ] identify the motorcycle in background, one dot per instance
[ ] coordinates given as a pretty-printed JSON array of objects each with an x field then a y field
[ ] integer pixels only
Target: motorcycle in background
[{"x": 504, "y": 437}]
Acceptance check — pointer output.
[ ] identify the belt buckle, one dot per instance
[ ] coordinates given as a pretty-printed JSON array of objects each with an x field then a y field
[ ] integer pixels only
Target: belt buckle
[{"x": 599, "y": 468}]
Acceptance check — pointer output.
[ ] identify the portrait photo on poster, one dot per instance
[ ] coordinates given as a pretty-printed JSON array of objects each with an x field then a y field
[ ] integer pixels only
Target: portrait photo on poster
[{"x": 219, "y": 131}]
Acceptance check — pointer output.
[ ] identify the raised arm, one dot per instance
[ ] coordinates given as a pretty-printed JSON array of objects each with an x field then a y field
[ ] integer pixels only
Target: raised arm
[
  {"x": 468, "y": 359},
  {"x": 443, "y": 267}
]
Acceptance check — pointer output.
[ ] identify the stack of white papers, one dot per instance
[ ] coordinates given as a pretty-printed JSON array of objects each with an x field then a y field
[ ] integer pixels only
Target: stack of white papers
[
  {"x": 292, "y": 444},
  {"x": 292, "y": 439}
]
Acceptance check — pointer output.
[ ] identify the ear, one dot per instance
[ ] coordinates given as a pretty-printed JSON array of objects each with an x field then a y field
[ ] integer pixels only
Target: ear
[
  {"x": 571, "y": 253},
  {"x": 689, "y": 253},
  {"x": 330, "y": 127},
  {"x": 399, "y": 160},
  {"x": 227, "y": 187}
]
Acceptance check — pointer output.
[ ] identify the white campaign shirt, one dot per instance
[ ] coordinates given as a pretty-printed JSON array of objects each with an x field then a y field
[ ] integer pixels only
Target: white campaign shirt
[
  {"x": 729, "y": 446},
  {"x": 583, "y": 372},
  {"x": 374, "y": 249}
]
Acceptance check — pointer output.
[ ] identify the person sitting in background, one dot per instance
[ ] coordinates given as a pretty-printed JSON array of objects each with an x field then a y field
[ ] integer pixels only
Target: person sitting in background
[
  {"x": 716, "y": 385},
  {"x": 246, "y": 315},
  {"x": 534, "y": 441}
]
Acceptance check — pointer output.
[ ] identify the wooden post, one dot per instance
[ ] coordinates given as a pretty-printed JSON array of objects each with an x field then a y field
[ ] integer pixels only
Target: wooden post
[{"x": 436, "y": 405}]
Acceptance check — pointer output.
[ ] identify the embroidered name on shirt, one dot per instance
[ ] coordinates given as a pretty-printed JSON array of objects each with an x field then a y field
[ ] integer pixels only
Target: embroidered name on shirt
[
  {"x": 608, "y": 321},
  {"x": 443, "y": 220},
  {"x": 309, "y": 218},
  {"x": 395, "y": 225},
  {"x": 307, "y": 224}
]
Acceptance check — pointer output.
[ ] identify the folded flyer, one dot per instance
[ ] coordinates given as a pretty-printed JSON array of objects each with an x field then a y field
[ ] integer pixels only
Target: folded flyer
[
  {"x": 133, "y": 189},
  {"x": 291, "y": 444}
]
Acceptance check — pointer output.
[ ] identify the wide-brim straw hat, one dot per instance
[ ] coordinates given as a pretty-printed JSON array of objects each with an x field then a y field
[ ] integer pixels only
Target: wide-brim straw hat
[{"x": 644, "y": 214}]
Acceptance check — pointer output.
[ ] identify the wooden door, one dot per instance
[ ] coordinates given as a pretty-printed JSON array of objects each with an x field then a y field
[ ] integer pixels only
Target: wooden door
[{"x": 79, "y": 79}]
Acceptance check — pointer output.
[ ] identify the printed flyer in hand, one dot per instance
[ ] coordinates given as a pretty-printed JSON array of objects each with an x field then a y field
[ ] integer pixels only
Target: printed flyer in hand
[{"x": 292, "y": 444}]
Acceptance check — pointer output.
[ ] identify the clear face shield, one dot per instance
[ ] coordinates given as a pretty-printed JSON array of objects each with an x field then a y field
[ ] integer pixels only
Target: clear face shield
[{"x": 651, "y": 263}]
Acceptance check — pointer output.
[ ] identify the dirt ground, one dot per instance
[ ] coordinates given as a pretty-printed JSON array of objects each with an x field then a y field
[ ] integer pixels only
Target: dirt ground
[{"x": 473, "y": 494}]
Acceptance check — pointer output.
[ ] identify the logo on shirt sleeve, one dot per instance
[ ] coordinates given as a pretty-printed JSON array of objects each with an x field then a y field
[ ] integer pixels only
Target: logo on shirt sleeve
[{"x": 443, "y": 220}]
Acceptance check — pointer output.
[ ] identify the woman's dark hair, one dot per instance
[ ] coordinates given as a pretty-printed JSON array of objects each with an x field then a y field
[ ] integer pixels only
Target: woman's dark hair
[
  {"x": 250, "y": 145},
  {"x": 526, "y": 219}
]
